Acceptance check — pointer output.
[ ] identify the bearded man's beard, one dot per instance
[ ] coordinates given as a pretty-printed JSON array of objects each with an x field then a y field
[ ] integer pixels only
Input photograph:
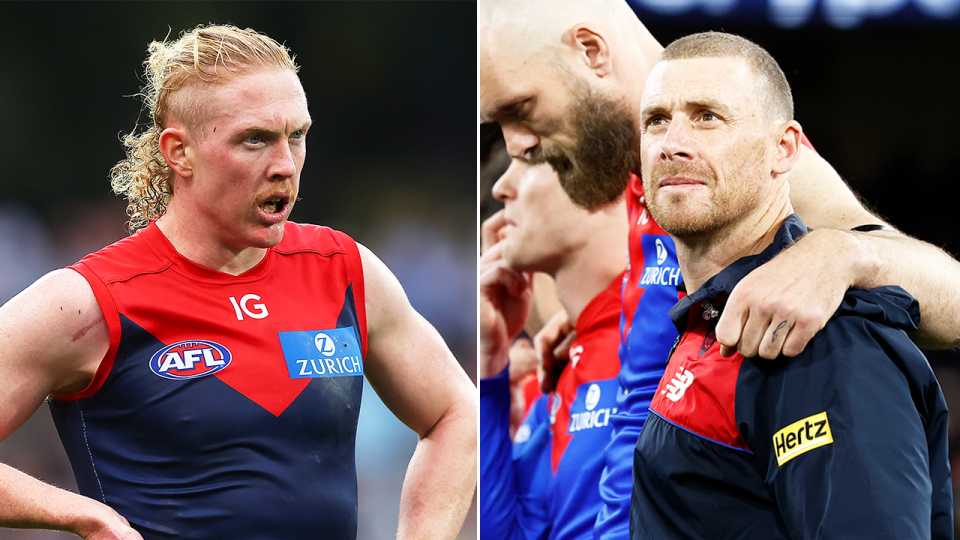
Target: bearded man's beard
[{"x": 595, "y": 172}]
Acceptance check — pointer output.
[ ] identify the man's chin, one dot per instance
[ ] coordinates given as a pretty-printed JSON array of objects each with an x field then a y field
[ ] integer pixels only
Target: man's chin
[
  {"x": 518, "y": 260},
  {"x": 269, "y": 236}
]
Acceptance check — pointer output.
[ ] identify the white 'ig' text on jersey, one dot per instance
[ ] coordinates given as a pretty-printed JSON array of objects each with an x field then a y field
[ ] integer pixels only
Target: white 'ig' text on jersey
[{"x": 259, "y": 311}]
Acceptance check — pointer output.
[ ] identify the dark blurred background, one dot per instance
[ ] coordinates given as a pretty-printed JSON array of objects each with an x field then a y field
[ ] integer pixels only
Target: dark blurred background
[
  {"x": 391, "y": 90},
  {"x": 875, "y": 84}
]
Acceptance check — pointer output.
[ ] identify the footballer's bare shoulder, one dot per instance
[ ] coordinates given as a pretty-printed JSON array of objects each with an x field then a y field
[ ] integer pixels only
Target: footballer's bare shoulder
[{"x": 54, "y": 336}]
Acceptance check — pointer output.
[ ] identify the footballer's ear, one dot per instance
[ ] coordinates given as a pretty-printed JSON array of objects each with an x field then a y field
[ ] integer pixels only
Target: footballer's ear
[
  {"x": 591, "y": 47},
  {"x": 788, "y": 147},
  {"x": 173, "y": 146}
]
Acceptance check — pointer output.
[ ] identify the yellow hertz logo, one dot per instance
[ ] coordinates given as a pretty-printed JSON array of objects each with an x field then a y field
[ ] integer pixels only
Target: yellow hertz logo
[{"x": 803, "y": 436}]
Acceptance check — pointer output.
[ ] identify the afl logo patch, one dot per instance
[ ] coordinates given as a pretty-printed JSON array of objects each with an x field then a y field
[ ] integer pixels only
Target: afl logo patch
[{"x": 190, "y": 359}]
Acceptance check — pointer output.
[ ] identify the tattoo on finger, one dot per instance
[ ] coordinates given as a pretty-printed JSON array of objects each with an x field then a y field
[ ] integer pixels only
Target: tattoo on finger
[{"x": 779, "y": 327}]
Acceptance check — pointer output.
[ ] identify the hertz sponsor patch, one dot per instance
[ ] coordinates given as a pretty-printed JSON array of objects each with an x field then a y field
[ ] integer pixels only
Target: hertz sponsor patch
[{"x": 802, "y": 436}]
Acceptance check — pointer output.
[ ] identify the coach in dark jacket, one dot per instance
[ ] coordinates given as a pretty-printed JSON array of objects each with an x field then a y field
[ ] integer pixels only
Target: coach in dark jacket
[{"x": 846, "y": 440}]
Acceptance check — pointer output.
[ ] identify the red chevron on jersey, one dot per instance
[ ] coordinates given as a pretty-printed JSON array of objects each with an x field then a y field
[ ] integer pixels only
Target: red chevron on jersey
[{"x": 245, "y": 313}]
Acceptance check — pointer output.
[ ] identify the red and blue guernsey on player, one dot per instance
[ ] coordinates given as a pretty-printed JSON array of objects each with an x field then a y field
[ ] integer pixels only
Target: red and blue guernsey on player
[
  {"x": 205, "y": 373},
  {"x": 546, "y": 484},
  {"x": 563, "y": 78}
]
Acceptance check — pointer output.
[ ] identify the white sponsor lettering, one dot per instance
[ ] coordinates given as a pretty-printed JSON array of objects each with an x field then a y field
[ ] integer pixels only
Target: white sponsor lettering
[
  {"x": 243, "y": 306},
  {"x": 645, "y": 214},
  {"x": 590, "y": 419},
  {"x": 654, "y": 275},
  {"x": 644, "y": 217},
  {"x": 190, "y": 358},
  {"x": 575, "y": 354},
  {"x": 336, "y": 366}
]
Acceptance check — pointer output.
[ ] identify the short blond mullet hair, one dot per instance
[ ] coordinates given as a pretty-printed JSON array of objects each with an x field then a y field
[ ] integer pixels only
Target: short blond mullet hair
[{"x": 208, "y": 54}]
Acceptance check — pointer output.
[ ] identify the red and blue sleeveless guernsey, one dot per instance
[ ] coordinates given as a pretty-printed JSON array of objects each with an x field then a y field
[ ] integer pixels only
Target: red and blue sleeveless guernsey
[
  {"x": 646, "y": 335},
  {"x": 226, "y": 406},
  {"x": 545, "y": 485}
]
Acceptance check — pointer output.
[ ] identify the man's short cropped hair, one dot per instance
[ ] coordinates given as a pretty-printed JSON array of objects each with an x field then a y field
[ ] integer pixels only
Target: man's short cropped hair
[{"x": 720, "y": 45}]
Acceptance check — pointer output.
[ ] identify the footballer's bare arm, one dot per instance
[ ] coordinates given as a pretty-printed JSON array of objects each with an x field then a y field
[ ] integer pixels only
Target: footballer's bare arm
[
  {"x": 793, "y": 295},
  {"x": 418, "y": 378},
  {"x": 54, "y": 337}
]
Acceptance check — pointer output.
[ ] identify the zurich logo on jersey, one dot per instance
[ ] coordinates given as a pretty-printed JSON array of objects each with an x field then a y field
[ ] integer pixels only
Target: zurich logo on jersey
[
  {"x": 596, "y": 406},
  {"x": 190, "y": 359},
  {"x": 666, "y": 271},
  {"x": 661, "y": 252},
  {"x": 334, "y": 352},
  {"x": 325, "y": 344},
  {"x": 593, "y": 397}
]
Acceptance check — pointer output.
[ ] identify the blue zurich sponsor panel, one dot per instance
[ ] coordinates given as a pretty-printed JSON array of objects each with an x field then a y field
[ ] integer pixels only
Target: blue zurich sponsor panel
[
  {"x": 661, "y": 266},
  {"x": 596, "y": 401},
  {"x": 322, "y": 353}
]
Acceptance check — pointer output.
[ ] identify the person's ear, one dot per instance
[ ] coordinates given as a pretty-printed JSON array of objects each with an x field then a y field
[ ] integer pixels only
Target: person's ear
[
  {"x": 788, "y": 147},
  {"x": 173, "y": 146},
  {"x": 592, "y": 47}
]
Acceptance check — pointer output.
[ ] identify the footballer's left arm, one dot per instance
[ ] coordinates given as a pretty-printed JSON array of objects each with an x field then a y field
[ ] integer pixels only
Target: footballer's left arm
[
  {"x": 781, "y": 305},
  {"x": 886, "y": 257},
  {"x": 418, "y": 378}
]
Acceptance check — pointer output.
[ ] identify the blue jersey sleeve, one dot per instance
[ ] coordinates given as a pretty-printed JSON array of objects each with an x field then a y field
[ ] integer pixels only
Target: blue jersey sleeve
[
  {"x": 513, "y": 478},
  {"x": 850, "y": 436}
]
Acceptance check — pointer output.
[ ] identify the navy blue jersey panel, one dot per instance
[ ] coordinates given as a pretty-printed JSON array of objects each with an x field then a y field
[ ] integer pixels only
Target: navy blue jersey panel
[{"x": 189, "y": 459}]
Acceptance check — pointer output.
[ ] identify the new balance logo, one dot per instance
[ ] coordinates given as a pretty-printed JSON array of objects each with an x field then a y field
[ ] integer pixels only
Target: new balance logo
[{"x": 678, "y": 385}]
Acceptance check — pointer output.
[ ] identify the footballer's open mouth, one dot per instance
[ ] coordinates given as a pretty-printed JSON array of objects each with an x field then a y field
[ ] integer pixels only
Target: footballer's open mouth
[{"x": 274, "y": 205}]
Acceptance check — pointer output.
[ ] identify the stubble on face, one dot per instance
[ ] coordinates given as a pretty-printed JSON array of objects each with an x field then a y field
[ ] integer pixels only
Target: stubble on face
[
  {"x": 596, "y": 170},
  {"x": 691, "y": 215}
]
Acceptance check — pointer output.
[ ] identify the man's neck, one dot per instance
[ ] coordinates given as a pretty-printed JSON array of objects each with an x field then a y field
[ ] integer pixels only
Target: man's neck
[
  {"x": 589, "y": 270},
  {"x": 207, "y": 251},
  {"x": 702, "y": 257}
]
